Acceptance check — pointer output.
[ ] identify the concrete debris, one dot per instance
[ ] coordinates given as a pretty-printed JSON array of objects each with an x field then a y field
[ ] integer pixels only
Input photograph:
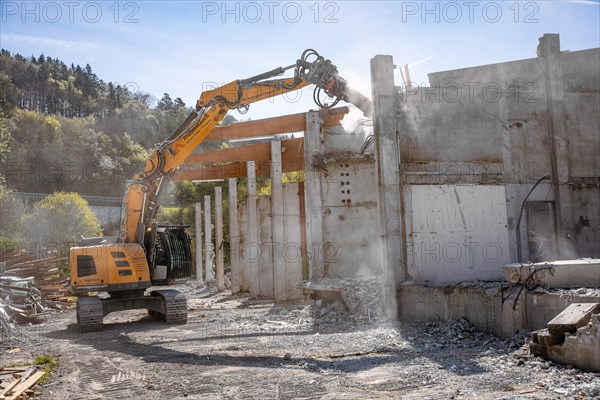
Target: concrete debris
[
  {"x": 584, "y": 273},
  {"x": 367, "y": 299},
  {"x": 572, "y": 337},
  {"x": 573, "y": 317},
  {"x": 8, "y": 330},
  {"x": 315, "y": 350},
  {"x": 322, "y": 160}
]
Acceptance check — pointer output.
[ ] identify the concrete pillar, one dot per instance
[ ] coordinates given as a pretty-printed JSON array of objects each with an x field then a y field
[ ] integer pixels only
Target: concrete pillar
[
  {"x": 234, "y": 238},
  {"x": 277, "y": 229},
  {"x": 314, "y": 200},
  {"x": 388, "y": 166},
  {"x": 198, "y": 229},
  {"x": 208, "y": 245},
  {"x": 219, "y": 238},
  {"x": 550, "y": 57},
  {"x": 253, "y": 250}
]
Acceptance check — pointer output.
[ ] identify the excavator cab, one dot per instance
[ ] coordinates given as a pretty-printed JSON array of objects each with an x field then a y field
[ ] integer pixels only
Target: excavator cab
[{"x": 170, "y": 253}]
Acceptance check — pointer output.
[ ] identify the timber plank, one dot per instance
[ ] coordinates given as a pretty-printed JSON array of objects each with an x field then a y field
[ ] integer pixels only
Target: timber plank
[{"x": 23, "y": 386}]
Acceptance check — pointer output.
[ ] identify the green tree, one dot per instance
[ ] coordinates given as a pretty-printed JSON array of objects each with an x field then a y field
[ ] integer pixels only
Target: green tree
[
  {"x": 59, "y": 219},
  {"x": 166, "y": 103},
  {"x": 4, "y": 150},
  {"x": 11, "y": 212}
]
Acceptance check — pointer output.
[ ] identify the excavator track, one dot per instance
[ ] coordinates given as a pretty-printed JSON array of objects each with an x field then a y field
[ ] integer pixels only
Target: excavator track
[
  {"x": 173, "y": 306},
  {"x": 90, "y": 314}
]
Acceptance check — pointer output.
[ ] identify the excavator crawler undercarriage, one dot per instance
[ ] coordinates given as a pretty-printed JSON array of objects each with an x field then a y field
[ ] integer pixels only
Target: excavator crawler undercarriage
[{"x": 167, "y": 305}]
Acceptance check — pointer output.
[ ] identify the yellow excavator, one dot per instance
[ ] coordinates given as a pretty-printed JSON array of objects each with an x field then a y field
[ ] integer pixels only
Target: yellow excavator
[{"x": 146, "y": 253}]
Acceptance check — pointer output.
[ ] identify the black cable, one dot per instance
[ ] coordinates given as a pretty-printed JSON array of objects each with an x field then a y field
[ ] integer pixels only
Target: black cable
[
  {"x": 367, "y": 143},
  {"x": 518, "y": 232},
  {"x": 317, "y": 100}
]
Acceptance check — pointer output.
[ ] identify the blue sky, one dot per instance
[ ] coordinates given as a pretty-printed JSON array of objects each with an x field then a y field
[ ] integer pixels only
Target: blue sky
[{"x": 179, "y": 47}]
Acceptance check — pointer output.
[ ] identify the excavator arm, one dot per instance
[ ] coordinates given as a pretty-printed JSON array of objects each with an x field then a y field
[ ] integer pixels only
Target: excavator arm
[
  {"x": 140, "y": 201},
  {"x": 147, "y": 253}
]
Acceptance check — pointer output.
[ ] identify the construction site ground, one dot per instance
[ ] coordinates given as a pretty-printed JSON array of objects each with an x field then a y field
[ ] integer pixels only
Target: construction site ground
[{"x": 236, "y": 348}]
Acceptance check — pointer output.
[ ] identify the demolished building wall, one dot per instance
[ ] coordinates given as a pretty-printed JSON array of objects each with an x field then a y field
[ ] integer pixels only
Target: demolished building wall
[
  {"x": 502, "y": 128},
  {"x": 340, "y": 190}
]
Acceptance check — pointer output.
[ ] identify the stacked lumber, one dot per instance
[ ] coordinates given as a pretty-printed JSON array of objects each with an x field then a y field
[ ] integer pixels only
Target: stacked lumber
[
  {"x": 45, "y": 272},
  {"x": 29, "y": 286},
  {"x": 16, "y": 382}
]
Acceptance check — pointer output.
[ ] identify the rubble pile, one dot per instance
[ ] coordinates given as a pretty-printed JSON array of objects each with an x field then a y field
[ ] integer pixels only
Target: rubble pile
[
  {"x": 19, "y": 299},
  {"x": 367, "y": 299},
  {"x": 461, "y": 334},
  {"x": 30, "y": 286},
  {"x": 45, "y": 273}
]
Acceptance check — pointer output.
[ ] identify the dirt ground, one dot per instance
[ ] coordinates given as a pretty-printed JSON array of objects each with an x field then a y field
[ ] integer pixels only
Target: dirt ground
[{"x": 235, "y": 348}]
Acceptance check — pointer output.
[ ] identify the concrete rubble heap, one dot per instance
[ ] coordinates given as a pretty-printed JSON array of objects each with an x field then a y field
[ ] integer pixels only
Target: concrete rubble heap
[
  {"x": 572, "y": 337},
  {"x": 367, "y": 299}
]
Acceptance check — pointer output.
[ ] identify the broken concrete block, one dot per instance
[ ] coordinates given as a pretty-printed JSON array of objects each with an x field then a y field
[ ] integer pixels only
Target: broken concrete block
[
  {"x": 573, "y": 317},
  {"x": 546, "y": 338},
  {"x": 582, "y": 273},
  {"x": 578, "y": 328}
]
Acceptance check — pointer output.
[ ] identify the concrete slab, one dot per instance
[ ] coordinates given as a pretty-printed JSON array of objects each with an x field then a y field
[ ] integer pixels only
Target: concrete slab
[
  {"x": 573, "y": 317},
  {"x": 582, "y": 273}
]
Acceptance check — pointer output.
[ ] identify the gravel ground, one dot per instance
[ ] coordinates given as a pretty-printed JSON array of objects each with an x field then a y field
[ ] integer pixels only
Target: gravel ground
[{"x": 235, "y": 348}]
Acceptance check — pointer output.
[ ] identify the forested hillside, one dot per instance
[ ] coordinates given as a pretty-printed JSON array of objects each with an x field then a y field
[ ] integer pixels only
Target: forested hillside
[{"x": 64, "y": 128}]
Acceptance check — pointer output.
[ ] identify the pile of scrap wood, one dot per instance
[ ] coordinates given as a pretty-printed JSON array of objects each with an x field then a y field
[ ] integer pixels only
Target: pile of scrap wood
[
  {"x": 20, "y": 299},
  {"x": 44, "y": 271},
  {"x": 16, "y": 382},
  {"x": 29, "y": 286}
]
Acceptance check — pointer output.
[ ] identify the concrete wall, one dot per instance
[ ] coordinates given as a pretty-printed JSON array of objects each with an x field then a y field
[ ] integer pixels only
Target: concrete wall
[
  {"x": 484, "y": 307},
  {"x": 291, "y": 248},
  {"x": 350, "y": 220},
  {"x": 456, "y": 232},
  {"x": 507, "y": 125},
  {"x": 341, "y": 192},
  {"x": 268, "y": 248}
]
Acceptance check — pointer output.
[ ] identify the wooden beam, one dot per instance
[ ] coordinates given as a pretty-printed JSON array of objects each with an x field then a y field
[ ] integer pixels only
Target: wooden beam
[
  {"x": 233, "y": 161},
  {"x": 273, "y": 126},
  {"x": 253, "y": 152},
  {"x": 235, "y": 170}
]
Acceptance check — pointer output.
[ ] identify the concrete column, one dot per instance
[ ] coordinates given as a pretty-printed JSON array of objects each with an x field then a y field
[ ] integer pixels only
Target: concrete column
[
  {"x": 208, "y": 245},
  {"x": 219, "y": 238},
  {"x": 550, "y": 57},
  {"x": 234, "y": 238},
  {"x": 198, "y": 229},
  {"x": 253, "y": 250},
  {"x": 314, "y": 201},
  {"x": 277, "y": 229},
  {"x": 388, "y": 166}
]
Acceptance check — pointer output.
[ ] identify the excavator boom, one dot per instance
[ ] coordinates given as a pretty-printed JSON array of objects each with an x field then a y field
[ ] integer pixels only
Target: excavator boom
[{"x": 140, "y": 201}]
